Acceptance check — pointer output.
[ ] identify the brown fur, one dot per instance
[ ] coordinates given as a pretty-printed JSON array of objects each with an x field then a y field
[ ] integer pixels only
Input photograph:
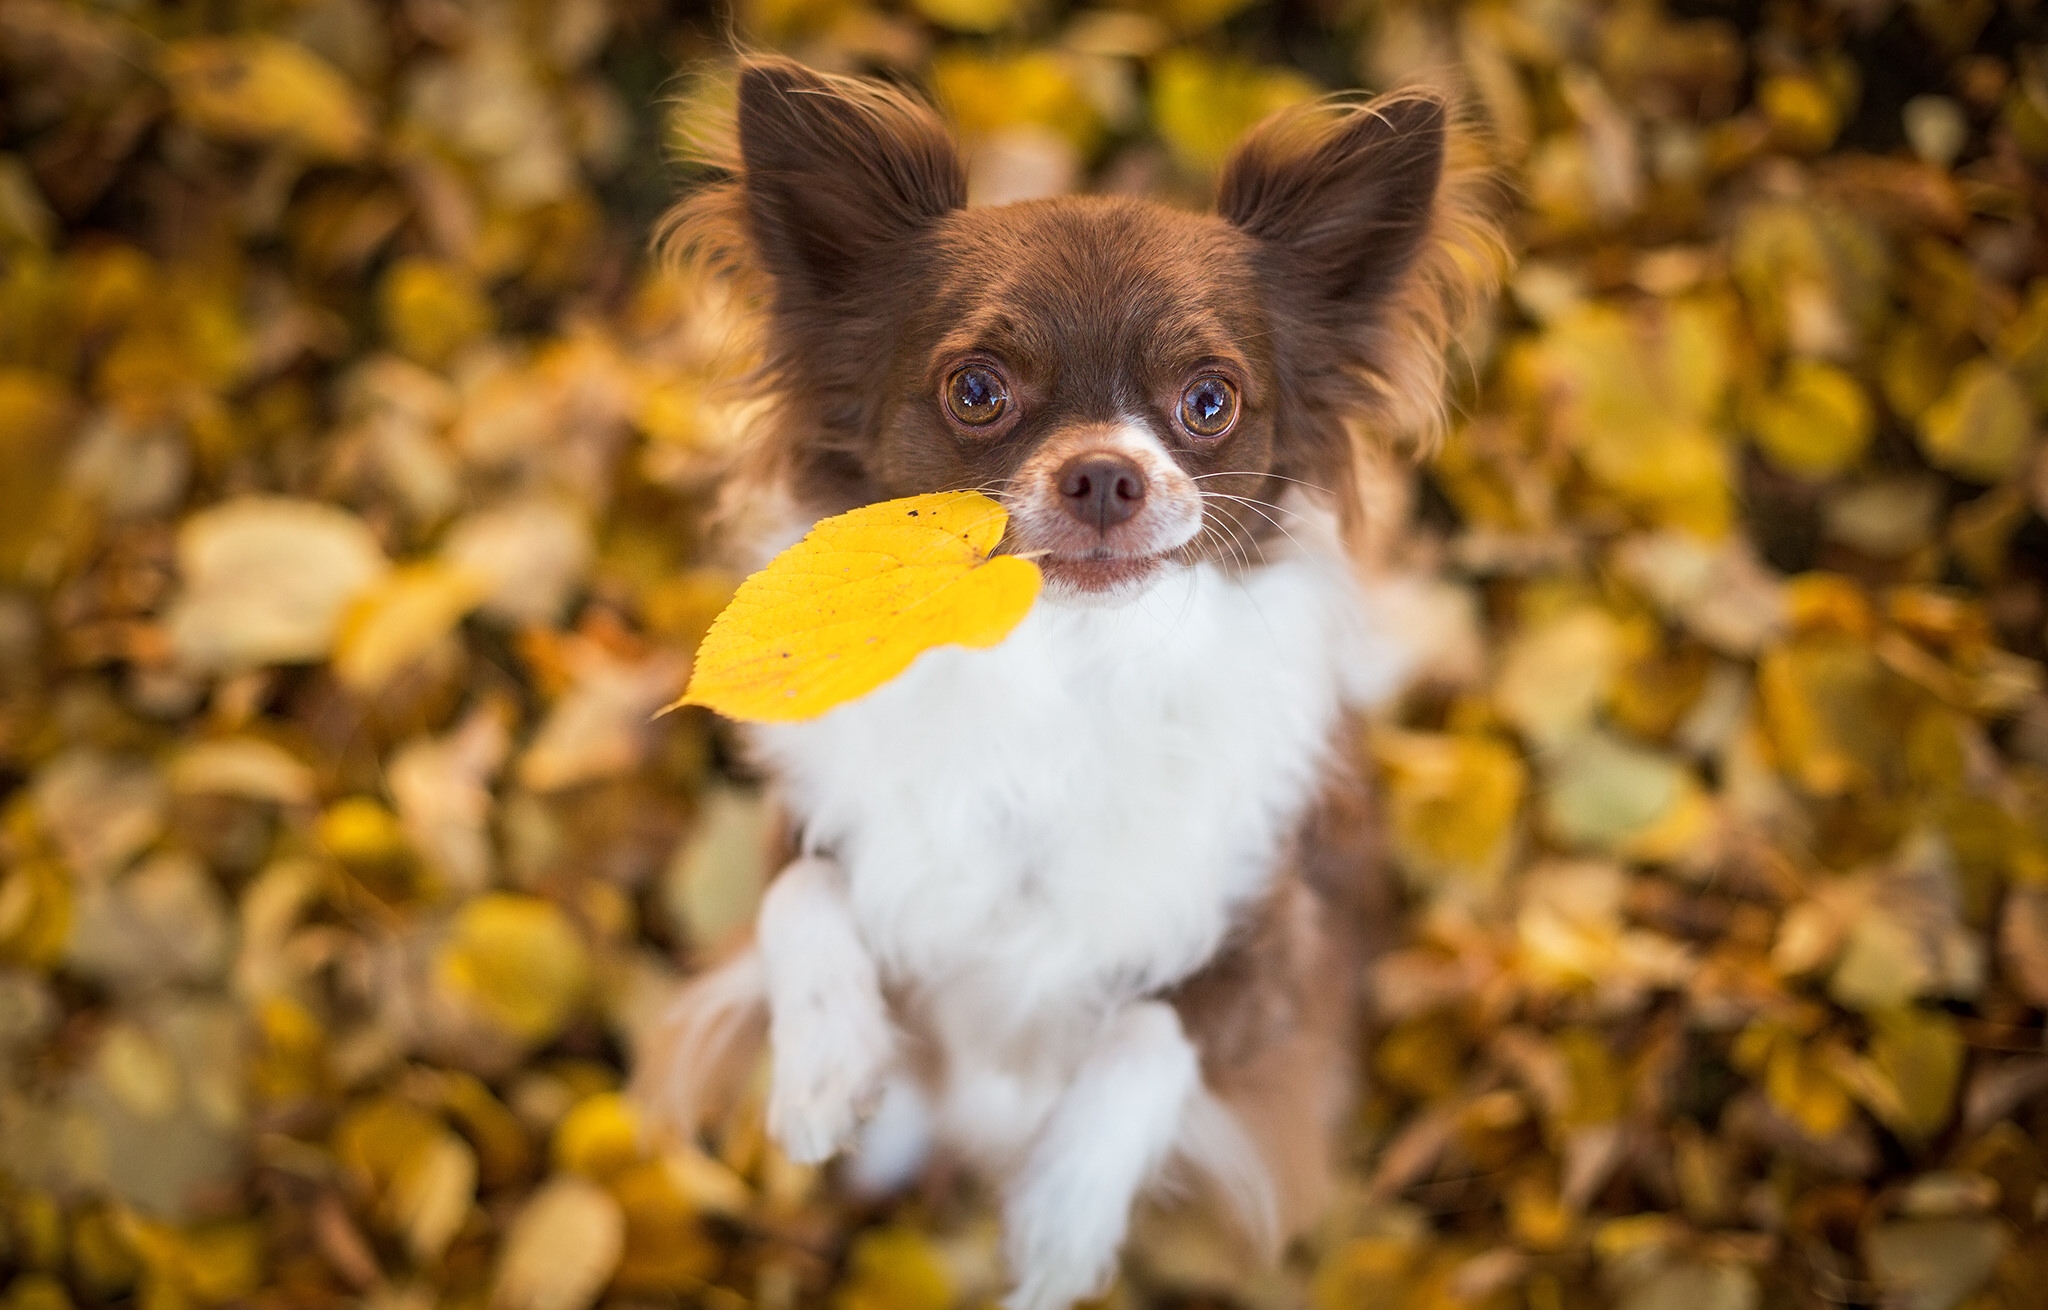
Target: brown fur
[{"x": 1276, "y": 1013}]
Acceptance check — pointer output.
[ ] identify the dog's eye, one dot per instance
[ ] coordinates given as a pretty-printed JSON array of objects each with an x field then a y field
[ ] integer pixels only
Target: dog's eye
[
  {"x": 1208, "y": 407},
  {"x": 975, "y": 395}
]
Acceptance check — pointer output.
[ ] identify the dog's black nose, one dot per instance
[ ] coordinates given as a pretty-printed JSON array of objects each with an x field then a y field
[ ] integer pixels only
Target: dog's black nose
[{"x": 1101, "y": 490}]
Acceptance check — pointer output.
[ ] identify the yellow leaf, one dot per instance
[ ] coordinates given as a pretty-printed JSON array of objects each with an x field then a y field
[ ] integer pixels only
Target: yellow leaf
[
  {"x": 1609, "y": 794},
  {"x": 1823, "y": 701},
  {"x": 1934, "y": 1264},
  {"x": 1636, "y": 397},
  {"x": 247, "y": 766},
  {"x": 361, "y": 833},
  {"x": 561, "y": 1248},
  {"x": 1454, "y": 801},
  {"x": 1914, "y": 367},
  {"x": 431, "y": 309},
  {"x": 1805, "y": 1092},
  {"x": 517, "y": 959},
  {"x": 265, "y": 89},
  {"x": 1920, "y": 1052},
  {"x": 288, "y": 1065},
  {"x": 1817, "y": 424},
  {"x": 1536, "y": 1217},
  {"x": 598, "y": 1137},
  {"x": 895, "y": 1268},
  {"x": 1204, "y": 105},
  {"x": 268, "y": 579},
  {"x": 2024, "y": 343},
  {"x": 211, "y": 1263},
  {"x": 35, "y": 912},
  {"x": 984, "y": 95},
  {"x": 1815, "y": 276},
  {"x": 666, "y": 1249},
  {"x": 1555, "y": 673},
  {"x": 141, "y": 1074},
  {"x": 35, "y": 413},
  {"x": 431, "y": 1194},
  {"x": 851, "y": 605},
  {"x": 101, "y": 1261},
  {"x": 376, "y": 1138},
  {"x": 400, "y": 620},
  {"x": 714, "y": 882},
  {"x": 967, "y": 15},
  {"x": 1423, "y": 1056},
  {"x": 1197, "y": 15},
  {"x": 1373, "y": 1270},
  {"x": 1980, "y": 427},
  {"x": 504, "y": 1152},
  {"x": 1800, "y": 111}
]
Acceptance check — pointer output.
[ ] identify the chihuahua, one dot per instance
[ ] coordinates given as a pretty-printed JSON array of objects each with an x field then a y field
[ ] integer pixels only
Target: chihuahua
[{"x": 1082, "y": 911}]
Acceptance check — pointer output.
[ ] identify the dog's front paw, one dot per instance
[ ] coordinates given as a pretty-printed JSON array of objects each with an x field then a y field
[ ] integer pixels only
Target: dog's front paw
[{"x": 832, "y": 1054}]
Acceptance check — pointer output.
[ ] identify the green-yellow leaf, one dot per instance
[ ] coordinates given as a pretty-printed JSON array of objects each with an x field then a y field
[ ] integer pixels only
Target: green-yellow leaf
[
  {"x": 1203, "y": 105},
  {"x": 517, "y": 959},
  {"x": 851, "y": 605},
  {"x": 968, "y": 15},
  {"x": 1980, "y": 427},
  {"x": 898, "y": 1268},
  {"x": 1818, "y": 424}
]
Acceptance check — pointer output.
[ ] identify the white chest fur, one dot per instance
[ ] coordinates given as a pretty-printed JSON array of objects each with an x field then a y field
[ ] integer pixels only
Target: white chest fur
[{"x": 1035, "y": 833}]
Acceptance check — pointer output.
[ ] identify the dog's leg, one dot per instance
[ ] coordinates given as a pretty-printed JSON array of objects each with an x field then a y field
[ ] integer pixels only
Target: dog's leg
[
  {"x": 828, "y": 1025},
  {"x": 1066, "y": 1212}
]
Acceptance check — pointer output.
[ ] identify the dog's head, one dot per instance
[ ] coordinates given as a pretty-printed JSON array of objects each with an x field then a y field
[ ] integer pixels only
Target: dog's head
[{"x": 1138, "y": 384}]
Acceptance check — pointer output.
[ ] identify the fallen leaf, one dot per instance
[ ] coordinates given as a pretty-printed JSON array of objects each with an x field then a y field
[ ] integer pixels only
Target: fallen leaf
[
  {"x": 895, "y": 1268},
  {"x": 517, "y": 959},
  {"x": 249, "y": 767},
  {"x": 2023, "y": 942},
  {"x": 1817, "y": 423},
  {"x": 431, "y": 1194},
  {"x": 560, "y": 1249},
  {"x": 1933, "y": 1264},
  {"x": 400, "y": 618},
  {"x": 432, "y": 308},
  {"x": 267, "y": 580},
  {"x": 666, "y": 1248},
  {"x": 714, "y": 880},
  {"x": 1920, "y": 1054},
  {"x": 256, "y": 87},
  {"x": 442, "y": 789},
  {"x": 530, "y": 556},
  {"x": 1453, "y": 804},
  {"x": 599, "y": 1136},
  {"x": 599, "y": 727},
  {"x": 1203, "y": 105},
  {"x": 1554, "y": 674},
  {"x": 1980, "y": 428}
]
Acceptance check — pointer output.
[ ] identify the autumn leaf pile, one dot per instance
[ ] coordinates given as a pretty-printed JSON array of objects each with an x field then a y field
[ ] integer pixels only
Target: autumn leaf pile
[{"x": 353, "y": 463}]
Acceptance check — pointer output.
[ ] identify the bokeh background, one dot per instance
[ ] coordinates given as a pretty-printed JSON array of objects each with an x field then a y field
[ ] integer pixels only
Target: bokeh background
[{"x": 353, "y": 461}]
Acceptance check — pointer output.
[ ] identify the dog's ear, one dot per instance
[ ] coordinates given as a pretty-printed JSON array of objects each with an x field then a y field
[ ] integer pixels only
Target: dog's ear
[
  {"x": 835, "y": 171},
  {"x": 1340, "y": 197}
]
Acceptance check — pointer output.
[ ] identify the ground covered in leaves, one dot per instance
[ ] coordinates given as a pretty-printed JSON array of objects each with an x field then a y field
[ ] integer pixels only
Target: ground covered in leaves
[{"x": 352, "y": 463}]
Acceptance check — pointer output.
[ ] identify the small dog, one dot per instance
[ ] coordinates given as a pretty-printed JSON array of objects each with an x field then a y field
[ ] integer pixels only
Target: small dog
[{"x": 1081, "y": 910}]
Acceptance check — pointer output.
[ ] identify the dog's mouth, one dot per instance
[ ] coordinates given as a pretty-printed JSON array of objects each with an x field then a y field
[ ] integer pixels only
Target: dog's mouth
[{"x": 1098, "y": 572}]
